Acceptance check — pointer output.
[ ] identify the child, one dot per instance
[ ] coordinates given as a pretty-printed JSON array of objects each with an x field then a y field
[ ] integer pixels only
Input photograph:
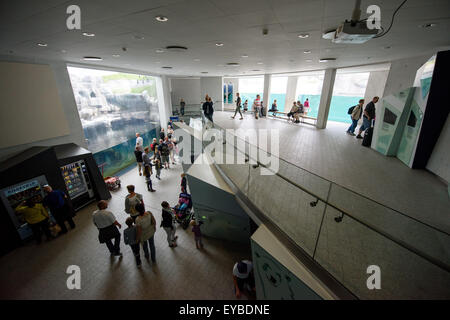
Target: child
[
  {"x": 129, "y": 237},
  {"x": 197, "y": 233},
  {"x": 183, "y": 183},
  {"x": 158, "y": 168},
  {"x": 147, "y": 174}
]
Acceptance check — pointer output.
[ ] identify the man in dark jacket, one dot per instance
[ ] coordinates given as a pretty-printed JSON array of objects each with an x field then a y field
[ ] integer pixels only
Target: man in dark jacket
[
  {"x": 55, "y": 200},
  {"x": 368, "y": 116}
]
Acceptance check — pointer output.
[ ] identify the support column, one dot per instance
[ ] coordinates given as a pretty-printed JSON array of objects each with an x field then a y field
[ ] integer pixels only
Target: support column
[
  {"x": 325, "y": 98},
  {"x": 266, "y": 93},
  {"x": 164, "y": 100},
  {"x": 291, "y": 90}
]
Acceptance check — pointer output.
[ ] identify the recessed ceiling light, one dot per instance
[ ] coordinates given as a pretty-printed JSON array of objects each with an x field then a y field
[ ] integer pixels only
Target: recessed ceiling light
[
  {"x": 87, "y": 34},
  {"x": 166, "y": 67},
  {"x": 307, "y": 51},
  {"x": 204, "y": 72},
  {"x": 219, "y": 44},
  {"x": 233, "y": 64},
  {"x": 116, "y": 55},
  {"x": 260, "y": 62},
  {"x": 161, "y": 18},
  {"x": 92, "y": 58},
  {"x": 63, "y": 51},
  {"x": 303, "y": 35},
  {"x": 244, "y": 56},
  {"x": 40, "y": 44},
  {"x": 327, "y": 59},
  {"x": 159, "y": 50},
  {"x": 197, "y": 60},
  {"x": 308, "y": 60},
  {"x": 157, "y": 61},
  {"x": 138, "y": 37},
  {"x": 256, "y": 70},
  {"x": 428, "y": 25}
]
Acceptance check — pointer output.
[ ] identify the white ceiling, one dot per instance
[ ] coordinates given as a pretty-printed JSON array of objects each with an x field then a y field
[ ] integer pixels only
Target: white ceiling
[{"x": 199, "y": 24}]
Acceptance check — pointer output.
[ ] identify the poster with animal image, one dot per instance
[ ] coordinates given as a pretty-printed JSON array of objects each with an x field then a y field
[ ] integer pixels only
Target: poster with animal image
[{"x": 230, "y": 93}]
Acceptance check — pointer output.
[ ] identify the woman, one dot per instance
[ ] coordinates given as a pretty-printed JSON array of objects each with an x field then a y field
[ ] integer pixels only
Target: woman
[
  {"x": 274, "y": 108},
  {"x": 146, "y": 227},
  {"x": 168, "y": 224},
  {"x": 37, "y": 218},
  {"x": 171, "y": 146},
  {"x": 131, "y": 200}
]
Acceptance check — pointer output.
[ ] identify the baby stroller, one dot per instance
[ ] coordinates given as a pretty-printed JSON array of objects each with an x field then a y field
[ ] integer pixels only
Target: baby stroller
[{"x": 183, "y": 210}]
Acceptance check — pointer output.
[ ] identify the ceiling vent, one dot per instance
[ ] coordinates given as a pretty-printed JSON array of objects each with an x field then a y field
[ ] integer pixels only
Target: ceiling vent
[
  {"x": 233, "y": 64},
  {"x": 176, "y": 48}
]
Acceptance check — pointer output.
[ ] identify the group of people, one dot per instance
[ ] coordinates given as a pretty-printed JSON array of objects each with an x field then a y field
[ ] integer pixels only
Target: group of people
[
  {"x": 38, "y": 218},
  {"x": 141, "y": 226},
  {"x": 258, "y": 108},
  {"x": 158, "y": 155},
  {"x": 297, "y": 110},
  {"x": 368, "y": 115}
]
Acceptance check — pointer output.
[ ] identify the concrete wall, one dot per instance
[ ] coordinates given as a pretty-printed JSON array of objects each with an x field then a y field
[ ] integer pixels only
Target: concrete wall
[
  {"x": 402, "y": 73},
  {"x": 439, "y": 162},
  {"x": 213, "y": 86},
  {"x": 68, "y": 104},
  {"x": 187, "y": 89}
]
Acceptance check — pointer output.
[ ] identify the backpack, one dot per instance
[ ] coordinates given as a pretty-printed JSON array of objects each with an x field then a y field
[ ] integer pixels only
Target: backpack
[
  {"x": 164, "y": 149},
  {"x": 350, "y": 110}
]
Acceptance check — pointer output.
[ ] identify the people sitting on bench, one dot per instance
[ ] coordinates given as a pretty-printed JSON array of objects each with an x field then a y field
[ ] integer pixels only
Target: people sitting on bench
[
  {"x": 293, "y": 111},
  {"x": 299, "y": 112},
  {"x": 274, "y": 108}
]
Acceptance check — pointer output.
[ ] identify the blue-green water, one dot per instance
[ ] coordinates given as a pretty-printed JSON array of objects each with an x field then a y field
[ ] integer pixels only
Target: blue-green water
[{"x": 338, "y": 109}]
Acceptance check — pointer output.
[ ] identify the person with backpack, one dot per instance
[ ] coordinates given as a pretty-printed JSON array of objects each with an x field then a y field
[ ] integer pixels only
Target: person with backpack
[
  {"x": 368, "y": 116},
  {"x": 355, "y": 113},
  {"x": 165, "y": 153}
]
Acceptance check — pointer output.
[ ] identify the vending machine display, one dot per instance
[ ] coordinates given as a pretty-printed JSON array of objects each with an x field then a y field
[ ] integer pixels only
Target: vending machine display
[
  {"x": 73, "y": 177},
  {"x": 14, "y": 195}
]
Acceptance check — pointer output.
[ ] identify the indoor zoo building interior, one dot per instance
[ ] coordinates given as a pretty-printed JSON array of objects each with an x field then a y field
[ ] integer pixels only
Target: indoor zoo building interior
[{"x": 277, "y": 149}]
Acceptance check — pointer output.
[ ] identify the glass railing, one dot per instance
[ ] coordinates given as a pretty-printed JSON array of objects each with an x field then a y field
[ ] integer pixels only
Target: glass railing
[{"x": 342, "y": 231}]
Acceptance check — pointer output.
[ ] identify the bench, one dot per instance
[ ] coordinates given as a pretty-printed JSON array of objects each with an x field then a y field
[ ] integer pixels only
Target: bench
[{"x": 284, "y": 116}]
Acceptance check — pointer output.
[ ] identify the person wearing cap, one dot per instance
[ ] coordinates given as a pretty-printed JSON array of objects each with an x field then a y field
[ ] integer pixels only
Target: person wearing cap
[
  {"x": 243, "y": 277},
  {"x": 56, "y": 200}
]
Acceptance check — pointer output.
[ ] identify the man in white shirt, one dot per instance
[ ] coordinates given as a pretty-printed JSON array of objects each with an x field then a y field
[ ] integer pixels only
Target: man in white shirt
[
  {"x": 243, "y": 277},
  {"x": 107, "y": 225},
  {"x": 139, "y": 142}
]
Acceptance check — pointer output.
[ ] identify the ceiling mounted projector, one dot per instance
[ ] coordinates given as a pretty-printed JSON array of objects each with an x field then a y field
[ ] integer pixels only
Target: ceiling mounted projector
[{"x": 353, "y": 32}]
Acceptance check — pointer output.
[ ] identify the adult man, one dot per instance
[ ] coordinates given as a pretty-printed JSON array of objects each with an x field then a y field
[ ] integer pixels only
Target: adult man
[
  {"x": 293, "y": 111},
  {"x": 238, "y": 106},
  {"x": 356, "y": 112},
  {"x": 369, "y": 115},
  {"x": 165, "y": 153},
  {"x": 182, "y": 105},
  {"x": 139, "y": 142},
  {"x": 55, "y": 200},
  {"x": 243, "y": 277},
  {"x": 107, "y": 225}
]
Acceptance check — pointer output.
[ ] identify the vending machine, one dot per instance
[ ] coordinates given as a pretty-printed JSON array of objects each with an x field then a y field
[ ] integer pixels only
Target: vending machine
[
  {"x": 16, "y": 194},
  {"x": 78, "y": 183}
]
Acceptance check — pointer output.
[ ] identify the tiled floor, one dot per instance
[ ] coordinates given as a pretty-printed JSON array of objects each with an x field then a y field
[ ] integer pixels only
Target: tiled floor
[
  {"x": 340, "y": 158},
  {"x": 39, "y": 272}
]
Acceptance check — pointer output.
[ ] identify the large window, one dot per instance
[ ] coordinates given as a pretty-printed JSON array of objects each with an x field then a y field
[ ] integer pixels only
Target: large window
[
  {"x": 348, "y": 89},
  {"x": 249, "y": 87},
  {"x": 113, "y": 107},
  {"x": 278, "y": 92},
  {"x": 309, "y": 86}
]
